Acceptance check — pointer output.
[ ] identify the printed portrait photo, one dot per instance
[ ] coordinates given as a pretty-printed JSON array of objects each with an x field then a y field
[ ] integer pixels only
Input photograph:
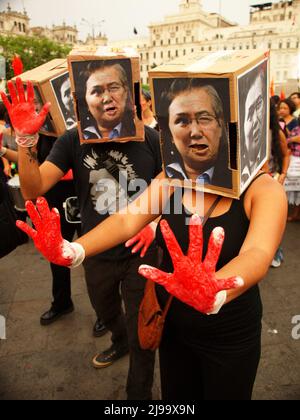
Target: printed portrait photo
[
  {"x": 39, "y": 103},
  {"x": 62, "y": 89},
  {"x": 253, "y": 121},
  {"x": 193, "y": 115},
  {"x": 104, "y": 93}
]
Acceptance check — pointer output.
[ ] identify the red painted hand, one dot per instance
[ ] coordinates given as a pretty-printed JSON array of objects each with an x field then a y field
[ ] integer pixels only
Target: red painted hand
[
  {"x": 47, "y": 236},
  {"x": 17, "y": 65},
  {"x": 143, "y": 239},
  {"x": 193, "y": 281},
  {"x": 22, "y": 112}
]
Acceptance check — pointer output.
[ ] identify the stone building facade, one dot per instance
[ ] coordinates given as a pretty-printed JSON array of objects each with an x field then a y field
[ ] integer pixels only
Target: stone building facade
[
  {"x": 273, "y": 26},
  {"x": 18, "y": 23}
]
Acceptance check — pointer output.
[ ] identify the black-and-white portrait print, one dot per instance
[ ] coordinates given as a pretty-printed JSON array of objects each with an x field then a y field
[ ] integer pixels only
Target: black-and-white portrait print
[
  {"x": 61, "y": 86},
  {"x": 253, "y": 120},
  {"x": 39, "y": 103}
]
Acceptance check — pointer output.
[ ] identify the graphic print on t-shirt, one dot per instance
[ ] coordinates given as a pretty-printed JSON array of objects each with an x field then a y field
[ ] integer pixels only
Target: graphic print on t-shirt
[{"x": 110, "y": 174}]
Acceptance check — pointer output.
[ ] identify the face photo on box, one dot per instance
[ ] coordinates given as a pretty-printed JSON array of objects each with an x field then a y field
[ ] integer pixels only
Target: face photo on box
[
  {"x": 193, "y": 115},
  {"x": 105, "y": 106},
  {"x": 253, "y": 123},
  {"x": 61, "y": 86},
  {"x": 39, "y": 103}
]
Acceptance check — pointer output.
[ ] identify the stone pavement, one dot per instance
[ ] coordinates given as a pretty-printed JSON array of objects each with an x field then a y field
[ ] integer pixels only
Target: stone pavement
[{"x": 55, "y": 362}]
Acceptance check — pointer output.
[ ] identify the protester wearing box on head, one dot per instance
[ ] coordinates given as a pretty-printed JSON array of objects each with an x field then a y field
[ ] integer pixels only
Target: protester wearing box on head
[
  {"x": 108, "y": 272},
  {"x": 202, "y": 356}
]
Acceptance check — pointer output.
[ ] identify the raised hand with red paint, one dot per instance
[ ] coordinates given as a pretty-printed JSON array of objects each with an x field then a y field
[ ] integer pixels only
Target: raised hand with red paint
[
  {"x": 47, "y": 235},
  {"x": 194, "y": 282},
  {"x": 17, "y": 65},
  {"x": 143, "y": 239},
  {"x": 22, "y": 112}
]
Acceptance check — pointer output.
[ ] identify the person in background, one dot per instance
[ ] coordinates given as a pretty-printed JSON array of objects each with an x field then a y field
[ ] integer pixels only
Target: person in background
[
  {"x": 8, "y": 138},
  {"x": 147, "y": 112},
  {"x": 286, "y": 113},
  {"x": 276, "y": 101},
  {"x": 61, "y": 276},
  {"x": 278, "y": 164},
  {"x": 295, "y": 97}
]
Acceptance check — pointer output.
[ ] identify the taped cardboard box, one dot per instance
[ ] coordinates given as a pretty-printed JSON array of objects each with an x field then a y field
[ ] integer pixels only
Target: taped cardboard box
[
  {"x": 106, "y": 88},
  {"x": 213, "y": 113},
  {"x": 51, "y": 83}
]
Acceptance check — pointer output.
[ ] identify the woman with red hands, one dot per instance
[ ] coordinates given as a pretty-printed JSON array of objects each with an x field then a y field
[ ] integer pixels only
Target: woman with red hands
[{"x": 201, "y": 357}]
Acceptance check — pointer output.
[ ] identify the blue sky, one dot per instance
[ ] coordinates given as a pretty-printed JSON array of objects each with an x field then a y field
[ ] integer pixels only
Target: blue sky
[{"x": 119, "y": 16}]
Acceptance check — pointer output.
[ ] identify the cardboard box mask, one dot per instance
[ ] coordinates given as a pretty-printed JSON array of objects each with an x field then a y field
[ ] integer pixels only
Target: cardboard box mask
[
  {"x": 51, "y": 83},
  {"x": 213, "y": 114},
  {"x": 106, "y": 87}
]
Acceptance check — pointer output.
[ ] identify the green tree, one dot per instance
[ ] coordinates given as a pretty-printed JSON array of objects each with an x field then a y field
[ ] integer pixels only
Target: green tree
[{"x": 33, "y": 51}]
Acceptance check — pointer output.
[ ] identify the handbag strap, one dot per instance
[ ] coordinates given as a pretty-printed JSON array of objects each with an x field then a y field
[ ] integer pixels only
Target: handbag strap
[{"x": 205, "y": 219}]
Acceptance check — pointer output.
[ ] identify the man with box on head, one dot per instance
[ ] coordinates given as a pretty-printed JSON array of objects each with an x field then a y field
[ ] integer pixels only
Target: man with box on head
[{"x": 141, "y": 162}]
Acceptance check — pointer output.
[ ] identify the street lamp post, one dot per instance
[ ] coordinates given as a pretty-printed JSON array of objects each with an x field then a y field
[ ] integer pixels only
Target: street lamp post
[{"x": 92, "y": 25}]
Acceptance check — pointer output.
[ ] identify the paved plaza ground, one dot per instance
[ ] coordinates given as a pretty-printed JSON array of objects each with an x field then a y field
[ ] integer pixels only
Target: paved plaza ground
[{"x": 55, "y": 362}]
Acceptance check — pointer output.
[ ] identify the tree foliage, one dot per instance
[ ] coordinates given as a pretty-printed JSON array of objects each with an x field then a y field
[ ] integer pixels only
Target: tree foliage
[{"x": 33, "y": 51}]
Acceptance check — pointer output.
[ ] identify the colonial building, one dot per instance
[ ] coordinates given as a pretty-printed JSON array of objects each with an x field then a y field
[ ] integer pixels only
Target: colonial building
[
  {"x": 17, "y": 23},
  {"x": 14, "y": 23},
  {"x": 273, "y": 26}
]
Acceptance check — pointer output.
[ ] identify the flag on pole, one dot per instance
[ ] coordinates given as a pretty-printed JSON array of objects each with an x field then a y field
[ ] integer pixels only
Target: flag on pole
[
  {"x": 282, "y": 94},
  {"x": 17, "y": 65}
]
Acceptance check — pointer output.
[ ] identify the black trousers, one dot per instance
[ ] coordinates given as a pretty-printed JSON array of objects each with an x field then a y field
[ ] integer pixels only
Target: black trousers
[
  {"x": 108, "y": 282},
  {"x": 189, "y": 375},
  {"x": 61, "y": 276}
]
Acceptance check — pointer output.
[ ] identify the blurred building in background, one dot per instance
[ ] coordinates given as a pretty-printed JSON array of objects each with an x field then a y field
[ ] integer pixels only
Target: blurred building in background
[{"x": 273, "y": 26}]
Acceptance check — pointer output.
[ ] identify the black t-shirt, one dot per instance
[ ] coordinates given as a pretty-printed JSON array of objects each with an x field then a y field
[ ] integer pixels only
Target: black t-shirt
[
  {"x": 44, "y": 147},
  {"x": 103, "y": 172},
  {"x": 238, "y": 323}
]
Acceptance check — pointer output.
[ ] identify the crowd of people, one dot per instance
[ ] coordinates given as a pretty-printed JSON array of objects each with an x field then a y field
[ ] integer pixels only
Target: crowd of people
[{"x": 216, "y": 345}]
